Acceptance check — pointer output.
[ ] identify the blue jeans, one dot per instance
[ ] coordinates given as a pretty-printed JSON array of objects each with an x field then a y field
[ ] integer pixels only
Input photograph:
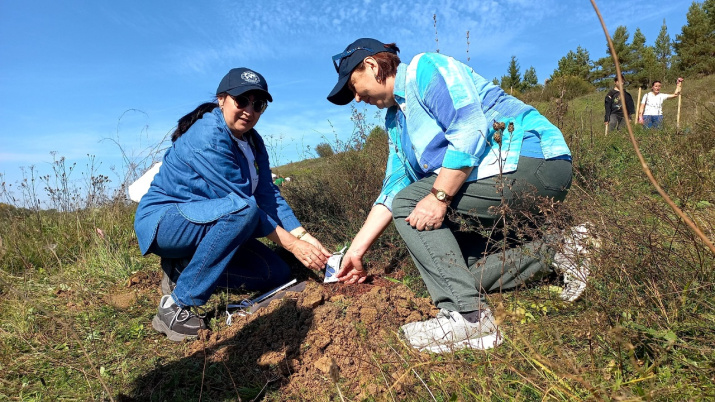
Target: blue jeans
[
  {"x": 223, "y": 253},
  {"x": 457, "y": 267},
  {"x": 653, "y": 121}
]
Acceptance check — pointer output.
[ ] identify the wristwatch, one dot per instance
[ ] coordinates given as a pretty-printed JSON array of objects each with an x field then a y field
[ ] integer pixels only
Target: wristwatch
[{"x": 441, "y": 195}]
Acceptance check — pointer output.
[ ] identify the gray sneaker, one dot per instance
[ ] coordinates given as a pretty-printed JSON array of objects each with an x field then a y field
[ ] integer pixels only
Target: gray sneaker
[
  {"x": 449, "y": 331},
  {"x": 178, "y": 323},
  {"x": 574, "y": 263}
]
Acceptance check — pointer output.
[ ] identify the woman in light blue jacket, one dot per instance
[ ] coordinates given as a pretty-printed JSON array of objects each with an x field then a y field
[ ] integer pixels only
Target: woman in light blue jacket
[
  {"x": 458, "y": 142},
  {"x": 211, "y": 199}
]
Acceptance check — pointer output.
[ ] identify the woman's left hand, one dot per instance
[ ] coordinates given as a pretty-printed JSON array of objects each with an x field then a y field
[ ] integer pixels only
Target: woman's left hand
[{"x": 428, "y": 214}]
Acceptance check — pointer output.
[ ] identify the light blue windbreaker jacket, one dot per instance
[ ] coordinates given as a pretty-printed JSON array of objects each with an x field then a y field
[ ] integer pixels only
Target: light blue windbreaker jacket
[
  {"x": 445, "y": 117},
  {"x": 205, "y": 174}
]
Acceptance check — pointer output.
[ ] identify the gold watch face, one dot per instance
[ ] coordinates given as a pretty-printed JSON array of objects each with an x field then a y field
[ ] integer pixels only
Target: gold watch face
[{"x": 441, "y": 195}]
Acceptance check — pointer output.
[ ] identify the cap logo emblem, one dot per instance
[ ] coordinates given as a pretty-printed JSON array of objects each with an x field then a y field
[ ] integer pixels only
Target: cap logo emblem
[{"x": 250, "y": 77}]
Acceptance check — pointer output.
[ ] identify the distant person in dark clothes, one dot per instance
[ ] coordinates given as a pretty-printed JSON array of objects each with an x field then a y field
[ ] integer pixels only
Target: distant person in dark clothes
[
  {"x": 211, "y": 200},
  {"x": 614, "y": 105}
]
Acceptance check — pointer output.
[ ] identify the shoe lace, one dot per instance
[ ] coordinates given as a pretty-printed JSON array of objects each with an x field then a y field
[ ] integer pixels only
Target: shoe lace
[
  {"x": 446, "y": 314},
  {"x": 183, "y": 315}
]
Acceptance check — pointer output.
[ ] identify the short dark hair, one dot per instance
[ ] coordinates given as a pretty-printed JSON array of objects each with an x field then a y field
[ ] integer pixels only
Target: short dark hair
[
  {"x": 387, "y": 61},
  {"x": 656, "y": 82}
]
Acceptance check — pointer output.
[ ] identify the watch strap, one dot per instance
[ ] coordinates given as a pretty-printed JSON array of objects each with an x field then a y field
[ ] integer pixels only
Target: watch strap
[{"x": 447, "y": 198}]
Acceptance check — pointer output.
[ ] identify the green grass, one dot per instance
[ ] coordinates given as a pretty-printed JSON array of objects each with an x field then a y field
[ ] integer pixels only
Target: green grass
[{"x": 645, "y": 330}]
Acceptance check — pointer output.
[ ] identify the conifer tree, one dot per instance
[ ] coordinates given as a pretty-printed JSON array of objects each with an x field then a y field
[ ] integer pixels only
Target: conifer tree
[
  {"x": 663, "y": 51},
  {"x": 530, "y": 79},
  {"x": 575, "y": 64},
  {"x": 695, "y": 45},
  {"x": 643, "y": 68},
  {"x": 605, "y": 68},
  {"x": 512, "y": 81}
]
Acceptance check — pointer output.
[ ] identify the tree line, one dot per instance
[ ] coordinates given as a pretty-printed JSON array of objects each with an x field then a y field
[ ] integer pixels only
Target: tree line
[{"x": 692, "y": 53}]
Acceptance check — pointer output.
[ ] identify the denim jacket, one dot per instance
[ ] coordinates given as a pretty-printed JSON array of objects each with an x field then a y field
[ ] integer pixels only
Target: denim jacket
[
  {"x": 444, "y": 118},
  {"x": 206, "y": 176}
]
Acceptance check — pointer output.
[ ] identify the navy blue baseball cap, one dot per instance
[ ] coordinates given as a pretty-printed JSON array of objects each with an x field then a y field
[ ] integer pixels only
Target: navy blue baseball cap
[
  {"x": 347, "y": 61},
  {"x": 241, "y": 80}
]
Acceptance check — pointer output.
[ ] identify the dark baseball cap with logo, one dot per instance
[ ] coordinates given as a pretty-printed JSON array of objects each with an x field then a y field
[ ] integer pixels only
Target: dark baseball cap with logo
[
  {"x": 241, "y": 80},
  {"x": 347, "y": 61}
]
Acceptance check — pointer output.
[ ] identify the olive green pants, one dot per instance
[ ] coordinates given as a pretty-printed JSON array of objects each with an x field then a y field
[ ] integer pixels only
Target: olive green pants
[{"x": 457, "y": 267}]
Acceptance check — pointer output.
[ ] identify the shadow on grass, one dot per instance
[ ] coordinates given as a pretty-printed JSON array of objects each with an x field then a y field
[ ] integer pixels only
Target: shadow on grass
[{"x": 231, "y": 364}]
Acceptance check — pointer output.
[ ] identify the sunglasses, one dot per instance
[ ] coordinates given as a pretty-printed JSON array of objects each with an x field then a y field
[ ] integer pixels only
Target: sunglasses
[
  {"x": 340, "y": 56},
  {"x": 259, "y": 105}
]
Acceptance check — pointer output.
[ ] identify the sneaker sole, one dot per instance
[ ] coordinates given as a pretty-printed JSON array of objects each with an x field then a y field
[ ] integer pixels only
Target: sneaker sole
[
  {"x": 483, "y": 343},
  {"x": 159, "y": 325}
]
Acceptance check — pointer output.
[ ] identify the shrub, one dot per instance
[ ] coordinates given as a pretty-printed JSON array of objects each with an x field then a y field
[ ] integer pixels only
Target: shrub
[
  {"x": 565, "y": 88},
  {"x": 324, "y": 150}
]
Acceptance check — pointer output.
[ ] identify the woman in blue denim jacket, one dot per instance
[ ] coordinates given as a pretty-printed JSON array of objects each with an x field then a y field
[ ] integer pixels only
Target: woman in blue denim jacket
[
  {"x": 213, "y": 196},
  {"x": 454, "y": 138}
]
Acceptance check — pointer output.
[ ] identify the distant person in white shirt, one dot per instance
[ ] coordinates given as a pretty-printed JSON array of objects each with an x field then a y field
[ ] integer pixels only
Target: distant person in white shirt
[{"x": 650, "y": 113}]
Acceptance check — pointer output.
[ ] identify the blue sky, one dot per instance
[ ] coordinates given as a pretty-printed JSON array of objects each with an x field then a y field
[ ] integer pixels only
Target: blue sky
[{"x": 80, "y": 77}]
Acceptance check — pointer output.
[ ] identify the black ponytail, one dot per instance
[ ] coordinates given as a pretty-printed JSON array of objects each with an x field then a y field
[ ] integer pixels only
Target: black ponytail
[{"x": 191, "y": 118}]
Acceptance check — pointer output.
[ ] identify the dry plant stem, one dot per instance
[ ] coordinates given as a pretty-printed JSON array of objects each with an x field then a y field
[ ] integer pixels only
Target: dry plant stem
[
  {"x": 468, "y": 58},
  {"x": 413, "y": 370},
  {"x": 228, "y": 371},
  {"x": 340, "y": 394},
  {"x": 436, "y": 37},
  {"x": 644, "y": 165},
  {"x": 534, "y": 359},
  {"x": 382, "y": 372}
]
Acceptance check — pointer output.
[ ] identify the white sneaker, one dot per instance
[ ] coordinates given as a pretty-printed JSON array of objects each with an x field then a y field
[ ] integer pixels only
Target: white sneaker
[
  {"x": 449, "y": 331},
  {"x": 574, "y": 263}
]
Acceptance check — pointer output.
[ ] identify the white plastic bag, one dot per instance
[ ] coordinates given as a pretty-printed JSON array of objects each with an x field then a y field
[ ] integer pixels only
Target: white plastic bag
[
  {"x": 333, "y": 266},
  {"x": 141, "y": 186}
]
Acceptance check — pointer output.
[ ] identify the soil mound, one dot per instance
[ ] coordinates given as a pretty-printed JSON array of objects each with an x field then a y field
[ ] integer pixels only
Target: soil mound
[{"x": 310, "y": 341}]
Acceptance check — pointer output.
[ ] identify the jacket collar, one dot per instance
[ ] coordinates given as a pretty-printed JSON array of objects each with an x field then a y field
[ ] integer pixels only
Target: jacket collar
[{"x": 399, "y": 88}]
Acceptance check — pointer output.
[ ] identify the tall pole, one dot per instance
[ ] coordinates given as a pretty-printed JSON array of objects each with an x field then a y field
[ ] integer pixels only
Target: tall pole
[
  {"x": 677, "y": 120},
  {"x": 679, "y": 86},
  {"x": 638, "y": 105}
]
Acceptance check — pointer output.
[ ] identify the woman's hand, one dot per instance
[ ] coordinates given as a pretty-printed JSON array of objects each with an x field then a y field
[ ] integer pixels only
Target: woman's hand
[
  {"x": 309, "y": 255},
  {"x": 428, "y": 214},
  {"x": 351, "y": 270},
  {"x": 312, "y": 240}
]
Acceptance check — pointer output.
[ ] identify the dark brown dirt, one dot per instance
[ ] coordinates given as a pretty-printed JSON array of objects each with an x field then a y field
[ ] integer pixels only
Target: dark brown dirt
[
  {"x": 334, "y": 329},
  {"x": 304, "y": 343}
]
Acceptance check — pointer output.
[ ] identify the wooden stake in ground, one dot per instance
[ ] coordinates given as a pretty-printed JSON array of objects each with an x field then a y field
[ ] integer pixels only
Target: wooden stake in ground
[
  {"x": 679, "y": 85},
  {"x": 638, "y": 105}
]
